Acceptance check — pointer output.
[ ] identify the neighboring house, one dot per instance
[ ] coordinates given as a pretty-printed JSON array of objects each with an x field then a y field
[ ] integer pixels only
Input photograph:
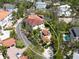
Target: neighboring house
[
  {"x": 9, "y": 7},
  {"x": 4, "y": 17},
  {"x": 45, "y": 35},
  {"x": 24, "y": 57},
  {"x": 74, "y": 33},
  {"x": 64, "y": 13},
  {"x": 4, "y": 34},
  {"x": 40, "y": 5},
  {"x": 8, "y": 42},
  {"x": 64, "y": 10},
  {"x": 35, "y": 21},
  {"x": 76, "y": 55},
  {"x": 6, "y": 14}
]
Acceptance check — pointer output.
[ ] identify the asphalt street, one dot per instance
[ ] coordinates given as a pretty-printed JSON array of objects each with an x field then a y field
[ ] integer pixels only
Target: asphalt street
[{"x": 22, "y": 35}]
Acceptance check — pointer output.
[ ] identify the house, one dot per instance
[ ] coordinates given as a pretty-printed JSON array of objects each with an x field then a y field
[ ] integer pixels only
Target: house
[
  {"x": 45, "y": 35},
  {"x": 8, "y": 42},
  {"x": 64, "y": 13},
  {"x": 4, "y": 34},
  {"x": 76, "y": 54},
  {"x": 24, "y": 57},
  {"x": 64, "y": 10},
  {"x": 4, "y": 17},
  {"x": 40, "y": 5},
  {"x": 74, "y": 33},
  {"x": 9, "y": 7},
  {"x": 35, "y": 21},
  {"x": 6, "y": 14}
]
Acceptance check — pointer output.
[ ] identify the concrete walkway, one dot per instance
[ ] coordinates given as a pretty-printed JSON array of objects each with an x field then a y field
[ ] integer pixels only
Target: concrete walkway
[{"x": 12, "y": 51}]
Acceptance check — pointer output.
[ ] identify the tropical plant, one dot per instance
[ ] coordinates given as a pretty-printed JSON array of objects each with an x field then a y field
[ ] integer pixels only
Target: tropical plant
[
  {"x": 22, "y": 8},
  {"x": 4, "y": 51}
]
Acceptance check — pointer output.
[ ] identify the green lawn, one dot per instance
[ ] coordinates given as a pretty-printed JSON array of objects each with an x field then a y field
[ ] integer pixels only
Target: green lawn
[
  {"x": 7, "y": 1},
  {"x": 20, "y": 44}
]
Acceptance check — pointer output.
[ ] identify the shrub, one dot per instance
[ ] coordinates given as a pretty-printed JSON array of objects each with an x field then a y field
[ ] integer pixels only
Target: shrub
[{"x": 19, "y": 44}]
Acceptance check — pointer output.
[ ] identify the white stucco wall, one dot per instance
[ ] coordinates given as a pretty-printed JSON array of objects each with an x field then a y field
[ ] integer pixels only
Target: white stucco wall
[{"x": 5, "y": 20}]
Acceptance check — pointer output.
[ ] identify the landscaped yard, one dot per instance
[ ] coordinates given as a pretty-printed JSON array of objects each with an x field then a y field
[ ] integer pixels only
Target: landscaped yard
[
  {"x": 34, "y": 37},
  {"x": 20, "y": 44},
  {"x": 31, "y": 54}
]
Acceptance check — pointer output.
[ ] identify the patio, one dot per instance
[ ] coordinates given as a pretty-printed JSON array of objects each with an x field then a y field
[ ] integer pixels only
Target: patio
[{"x": 12, "y": 51}]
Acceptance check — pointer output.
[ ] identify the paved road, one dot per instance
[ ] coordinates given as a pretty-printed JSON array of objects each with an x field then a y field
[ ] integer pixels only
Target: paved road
[{"x": 21, "y": 35}]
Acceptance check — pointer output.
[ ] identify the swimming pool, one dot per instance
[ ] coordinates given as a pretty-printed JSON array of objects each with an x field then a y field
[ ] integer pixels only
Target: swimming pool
[{"x": 66, "y": 37}]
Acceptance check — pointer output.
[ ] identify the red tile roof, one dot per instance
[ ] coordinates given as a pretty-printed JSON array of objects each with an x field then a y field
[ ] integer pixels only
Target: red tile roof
[
  {"x": 3, "y": 14},
  {"x": 45, "y": 32},
  {"x": 9, "y": 42},
  {"x": 34, "y": 20},
  {"x": 46, "y": 35},
  {"x": 24, "y": 57}
]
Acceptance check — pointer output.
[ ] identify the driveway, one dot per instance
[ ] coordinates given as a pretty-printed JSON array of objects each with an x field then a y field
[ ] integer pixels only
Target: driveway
[{"x": 12, "y": 51}]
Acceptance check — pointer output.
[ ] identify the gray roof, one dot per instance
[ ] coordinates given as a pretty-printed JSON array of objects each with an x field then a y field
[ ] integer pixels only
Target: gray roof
[
  {"x": 74, "y": 32},
  {"x": 40, "y": 5}
]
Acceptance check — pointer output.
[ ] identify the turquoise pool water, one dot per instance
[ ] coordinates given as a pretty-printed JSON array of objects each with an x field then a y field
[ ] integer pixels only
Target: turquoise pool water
[{"x": 66, "y": 38}]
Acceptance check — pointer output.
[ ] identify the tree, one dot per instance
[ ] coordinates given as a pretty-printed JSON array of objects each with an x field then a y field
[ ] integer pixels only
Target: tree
[
  {"x": 28, "y": 4},
  {"x": 72, "y": 2},
  {"x": 1, "y": 6},
  {"x": 4, "y": 51},
  {"x": 22, "y": 7},
  {"x": 20, "y": 44},
  {"x": 31, "y": 54},
  {"x": 13, "y": 34},
  {"x": 14, "y": 14}
]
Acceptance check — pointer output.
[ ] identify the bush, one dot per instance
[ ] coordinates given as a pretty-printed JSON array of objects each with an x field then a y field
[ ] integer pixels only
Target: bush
[
  {"x": 3, "y": 50},
  {"x": 10, "y": 1},
  {"x": 19, "y": 44},
  {"x": 12, "y": 34}
]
